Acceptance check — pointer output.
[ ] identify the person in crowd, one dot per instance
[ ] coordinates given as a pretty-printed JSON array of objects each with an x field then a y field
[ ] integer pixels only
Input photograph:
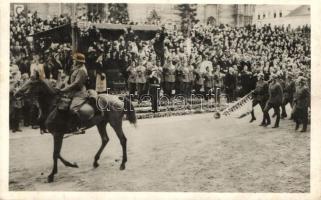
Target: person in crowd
[
  {"x": 274, "y": 101},
  {"x": 245, "y": 80},
  {"x": 185, "y": 79},
  {"x": 132, "y": 78},
  {"x": 289, "y": 91},
  {"x": 230, "y": 83},
  {"x": 260, "y": 97},
  {"x": 199, "y": 81},
  {"x": 16, "y": 105},
  {"x": 208, "y": 83},
  {"x": 140, "y": 80},
  {"x": 154, "y": 87},
  {"x": 37, "y": 66},
  {"x": 92, "y": 64},
  {"x": 159, "y": 45},
  {"x": 169, "y": 77},
  {"x": 218, "y": 83},
  {"x": 301, "y": 104}
]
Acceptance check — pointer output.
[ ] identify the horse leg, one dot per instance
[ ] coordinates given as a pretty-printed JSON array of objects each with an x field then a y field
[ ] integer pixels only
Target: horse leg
[
  {"x": 104, "y": 140},
  {"x": 123, "y": 141},
  {"x": 67, "y": 163},
  {"x": 57, "y": 147}
]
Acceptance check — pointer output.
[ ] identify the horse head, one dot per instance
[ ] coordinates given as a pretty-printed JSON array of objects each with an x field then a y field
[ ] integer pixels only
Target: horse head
[{"x": 36, "y": 87}]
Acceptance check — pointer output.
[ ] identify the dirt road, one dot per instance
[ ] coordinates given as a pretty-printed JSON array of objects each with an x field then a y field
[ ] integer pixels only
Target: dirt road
[{"x": 193, "y": 153}]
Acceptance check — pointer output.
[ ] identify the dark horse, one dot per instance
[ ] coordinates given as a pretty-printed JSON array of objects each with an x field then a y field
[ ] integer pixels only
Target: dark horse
[{"x": 58, "y": 123}]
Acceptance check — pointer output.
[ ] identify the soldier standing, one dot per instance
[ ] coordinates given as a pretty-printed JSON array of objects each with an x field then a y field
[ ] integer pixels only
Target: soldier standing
[
  {"x": 132, "y": 78},
  {"x": 140, "y": 80},
  {"x": 274, "y": 101},
  {"x": 301, "y": 104},
  {"x": 260, "y": 96},
  {"x": 289, "y": 91},
  {"x": 154, "y": 87},
  {"x": 169, "y": 78},
  {"x": 208, "y": 83}
]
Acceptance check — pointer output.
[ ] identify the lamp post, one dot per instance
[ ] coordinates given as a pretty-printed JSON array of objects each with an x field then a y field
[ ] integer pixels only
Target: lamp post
[{"x": 74, "y": 30}]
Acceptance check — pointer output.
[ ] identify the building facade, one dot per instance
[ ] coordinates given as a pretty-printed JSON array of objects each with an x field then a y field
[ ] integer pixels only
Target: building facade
[
  {"x": 232, "y": 14},
  {"x": 287, "y": 15}
]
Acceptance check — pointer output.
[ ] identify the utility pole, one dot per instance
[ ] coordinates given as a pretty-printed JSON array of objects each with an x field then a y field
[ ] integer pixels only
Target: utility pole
[{"x": 74, "y": 29}]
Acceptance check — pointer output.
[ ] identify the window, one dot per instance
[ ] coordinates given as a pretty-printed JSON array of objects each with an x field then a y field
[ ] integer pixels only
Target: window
[
  {"x": 258, "y": 16},
  {"x": 280, "y": 14},
  {"x": 274, "y": 15},
  {"x": 263, "y": 16}
]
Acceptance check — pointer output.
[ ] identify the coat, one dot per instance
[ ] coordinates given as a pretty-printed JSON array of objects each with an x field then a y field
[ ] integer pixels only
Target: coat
[
  {"x": 302, "y": 98},
  {"x": 289, "y": 89},
  {"x": 170, "y": 71},
  {"x": 208, "y": 80},
  {"x": 77, "y": 80},
  {"x": 141, "y": 74},
  {"x": 261, "y": 91},
  {"x": 275, "y": 93},
  {"x": 132, "y": 74}
]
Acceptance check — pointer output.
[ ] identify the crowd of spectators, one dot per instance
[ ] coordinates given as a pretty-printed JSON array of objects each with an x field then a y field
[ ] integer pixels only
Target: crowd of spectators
[{"x": 213, "y": 60}]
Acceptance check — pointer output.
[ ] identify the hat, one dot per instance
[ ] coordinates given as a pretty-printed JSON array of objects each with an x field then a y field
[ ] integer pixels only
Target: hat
[{"x": 79, "y": 57}]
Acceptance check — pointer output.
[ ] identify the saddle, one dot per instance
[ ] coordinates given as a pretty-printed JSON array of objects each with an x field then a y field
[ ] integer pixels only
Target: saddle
[{"x": 87, "y": 108}]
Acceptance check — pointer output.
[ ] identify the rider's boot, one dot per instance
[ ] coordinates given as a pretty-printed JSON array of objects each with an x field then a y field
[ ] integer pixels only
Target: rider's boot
[{"x": 77, "y": 122}]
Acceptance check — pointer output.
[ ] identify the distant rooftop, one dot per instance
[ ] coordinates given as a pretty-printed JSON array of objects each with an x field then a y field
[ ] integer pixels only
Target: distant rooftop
[{"x": 300, "y": 11}]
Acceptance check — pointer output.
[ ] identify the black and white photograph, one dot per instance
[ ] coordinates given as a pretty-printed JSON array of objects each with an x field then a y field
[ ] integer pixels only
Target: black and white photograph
[{"x": 159, "y": 97}]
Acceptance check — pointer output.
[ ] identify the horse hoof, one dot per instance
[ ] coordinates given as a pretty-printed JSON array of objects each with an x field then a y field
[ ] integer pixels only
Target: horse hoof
[
  {"x": 96, "y": 165},
  {"x": 50, "y": 179},
  {"x": 122, "y": 167}
]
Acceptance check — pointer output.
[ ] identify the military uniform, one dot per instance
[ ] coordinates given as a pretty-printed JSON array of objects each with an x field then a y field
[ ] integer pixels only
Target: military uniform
[
  {"x": 260, "y": 96},
  {"x": 301, "y": 104},
  {"x": 77, "y": 89},
  {"x": 169, "y": 71},
  {"x": 289, "y": 91},
  {"x": 208, "y": 84},
  {"x": 218, "y": 82},
  {"x": 274, "y": 101},
  {"x": 199, "y": 81},
  {"x": 154, "y": 87},
  {"x": 185, "y": 80},
  {"x": 141, "y": 80},
  {"x": 132, "y": 79}
]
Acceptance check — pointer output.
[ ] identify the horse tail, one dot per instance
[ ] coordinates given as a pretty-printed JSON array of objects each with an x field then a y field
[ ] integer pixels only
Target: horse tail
[{"x": 130, "y": 111}]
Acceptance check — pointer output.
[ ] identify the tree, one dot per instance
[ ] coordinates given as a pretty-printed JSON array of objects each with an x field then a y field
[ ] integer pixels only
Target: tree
[
  {"x": 187, "y": 12},
  {"x": 153, "y": 17},
  {"x": 119, "y": 12}
]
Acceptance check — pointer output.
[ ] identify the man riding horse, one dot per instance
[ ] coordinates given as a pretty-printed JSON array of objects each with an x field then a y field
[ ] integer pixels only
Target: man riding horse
[
  {"x": 58, "y": 123},
  {"x": 77, "y": 89}
]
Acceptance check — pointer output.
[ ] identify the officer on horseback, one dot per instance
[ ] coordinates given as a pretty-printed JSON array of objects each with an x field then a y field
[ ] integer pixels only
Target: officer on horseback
[{"x": 76, "y": 88}]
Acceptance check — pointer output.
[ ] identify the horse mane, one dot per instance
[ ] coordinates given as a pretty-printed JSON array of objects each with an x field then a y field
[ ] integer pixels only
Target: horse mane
[{"x": 49, "y": 87}]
